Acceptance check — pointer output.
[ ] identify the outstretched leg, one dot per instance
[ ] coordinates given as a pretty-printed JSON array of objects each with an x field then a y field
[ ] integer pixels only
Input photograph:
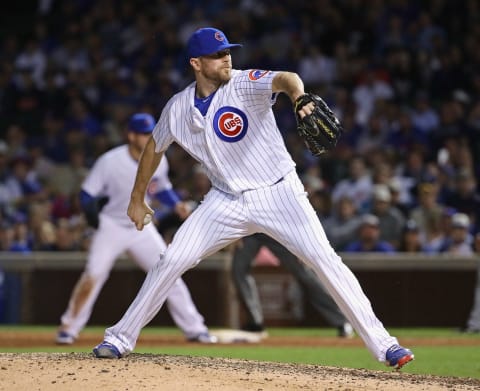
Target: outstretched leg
[
  {"x": 217, "y": 222},
  {"x": 295, "y": 224}
]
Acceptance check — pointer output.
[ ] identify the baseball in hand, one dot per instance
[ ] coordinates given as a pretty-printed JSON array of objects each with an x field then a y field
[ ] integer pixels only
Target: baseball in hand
[{"x": 147, "y": 219}]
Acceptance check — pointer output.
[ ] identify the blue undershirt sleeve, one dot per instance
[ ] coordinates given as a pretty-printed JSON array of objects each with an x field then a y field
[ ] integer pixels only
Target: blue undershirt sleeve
[{"x": 168, "y": 197}]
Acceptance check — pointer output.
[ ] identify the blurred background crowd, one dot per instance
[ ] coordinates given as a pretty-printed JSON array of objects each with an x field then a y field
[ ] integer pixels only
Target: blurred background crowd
[{"x": 403, "y": 76}]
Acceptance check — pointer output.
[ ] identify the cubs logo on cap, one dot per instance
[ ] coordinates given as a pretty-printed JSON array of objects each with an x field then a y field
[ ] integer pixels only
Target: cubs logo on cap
[
  {"x": 208, "y": 40},
  {"x": 230, "y": 124},
  {"x": 141, "y": 123}
]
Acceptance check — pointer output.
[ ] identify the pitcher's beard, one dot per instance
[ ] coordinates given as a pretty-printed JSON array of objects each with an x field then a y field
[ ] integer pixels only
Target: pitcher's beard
[{"x": 223, "y": 76}]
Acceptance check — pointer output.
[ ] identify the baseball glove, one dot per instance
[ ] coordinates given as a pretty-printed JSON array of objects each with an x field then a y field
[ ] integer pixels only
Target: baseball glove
[{"x": 321, "y": 129}]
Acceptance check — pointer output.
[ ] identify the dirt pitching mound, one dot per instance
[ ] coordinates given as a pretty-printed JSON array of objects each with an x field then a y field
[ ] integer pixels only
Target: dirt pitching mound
[{"x": 81, "y": 371}]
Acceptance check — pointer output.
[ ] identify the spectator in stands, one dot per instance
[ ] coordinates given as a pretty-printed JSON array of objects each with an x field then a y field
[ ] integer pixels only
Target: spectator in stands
[
  {"x": 423, "y": 116},
  {"x": 411, "y": 170},
  {"x": 71, "y": 54},
  {"x": 16, "y": 138},
  {"x": 312, "y": 179},
  {"x": 342, "y": 225},
  {"x": 321, "y": 201},
  {"x": 373, "y": 135},
  {"x": 382, "y": 170},
  {"x": 369, "y": 237},
  {"x": 460, "y": 241},
  {"x": 399, "y": 200},
  {"x": 358, "y": 185},
  {"x": 404, "y": 136},
  {"x": 410, "y": 240},
  {"x": 314, "y": 67},
  {"x": 34, "y": 59},
  {"x": 451, "y": 123},
  {"x": 428, "y": 213},
  {"x": 42, "y": 227},
  {"x": 65, "y": 182},
  {"x": 53, "y": 140},
  {"x": 68, "y": 236},
  {"x": 82, "y": 125},
  {"x": 458, "y": 156},
  {"x": 391, "y": 220},
  {"x": 20, "y": 240},
  {"x": 41, "y": 164},
  {"x": 23, "y": 186},
  {"x": 371, "y": 89},
  {"x": 24, "y": 101},
  {"x": 434, "y": 234},
  {"x": 465, "y": 198},
  {"x": 6, "y": 235}
]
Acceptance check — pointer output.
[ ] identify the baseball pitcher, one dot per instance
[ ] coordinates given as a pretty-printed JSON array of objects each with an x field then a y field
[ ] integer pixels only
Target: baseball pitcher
[{"x": 225, "y": 120}]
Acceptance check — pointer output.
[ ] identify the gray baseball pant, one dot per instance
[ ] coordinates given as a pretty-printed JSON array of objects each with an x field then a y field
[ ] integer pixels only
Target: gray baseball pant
[{"x": 247, "y": 290}]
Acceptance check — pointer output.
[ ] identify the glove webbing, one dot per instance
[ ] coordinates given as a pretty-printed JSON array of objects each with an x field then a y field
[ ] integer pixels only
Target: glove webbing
[{"x": 313, "y": 144}]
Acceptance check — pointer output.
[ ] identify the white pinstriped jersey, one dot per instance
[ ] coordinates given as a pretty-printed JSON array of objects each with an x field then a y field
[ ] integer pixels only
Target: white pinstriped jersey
[
  {"x": 113, "y": 175},
  {"x": 238, "y": 141}
]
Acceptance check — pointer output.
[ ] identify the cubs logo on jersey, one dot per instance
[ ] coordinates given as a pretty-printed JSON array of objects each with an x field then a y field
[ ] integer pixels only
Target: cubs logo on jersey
[
  {"x": 256, "y": 74},
  {"x": 230, "y": 124}
]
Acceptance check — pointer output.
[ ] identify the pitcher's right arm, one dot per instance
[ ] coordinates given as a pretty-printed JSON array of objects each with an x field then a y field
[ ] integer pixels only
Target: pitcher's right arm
[{"x": 149, "y": 161}]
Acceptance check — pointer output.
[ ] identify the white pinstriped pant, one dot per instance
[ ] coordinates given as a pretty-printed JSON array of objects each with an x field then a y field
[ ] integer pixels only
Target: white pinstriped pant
[{"x": 281, "y": 211}]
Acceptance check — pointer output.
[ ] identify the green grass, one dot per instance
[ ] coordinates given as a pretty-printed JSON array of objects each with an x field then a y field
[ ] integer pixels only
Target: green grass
[{"x": 459, "y": 361}]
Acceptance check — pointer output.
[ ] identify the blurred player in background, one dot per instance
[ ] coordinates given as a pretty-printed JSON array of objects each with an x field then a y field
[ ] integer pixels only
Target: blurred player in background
[
  {"x": 244, "y": 254},
  {"x": 104, "y": 198}
]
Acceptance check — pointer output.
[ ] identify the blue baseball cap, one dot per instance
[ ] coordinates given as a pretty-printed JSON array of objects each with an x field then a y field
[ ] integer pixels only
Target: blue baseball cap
[
  {"x": 141, "y": 123},
  {"x": 208, "y": 40}
]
